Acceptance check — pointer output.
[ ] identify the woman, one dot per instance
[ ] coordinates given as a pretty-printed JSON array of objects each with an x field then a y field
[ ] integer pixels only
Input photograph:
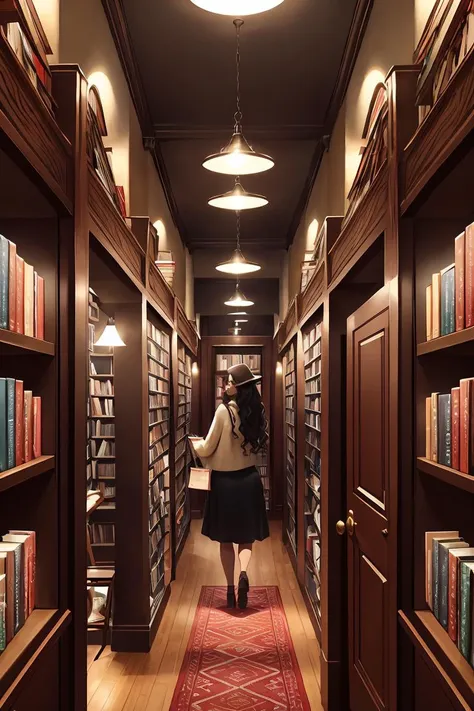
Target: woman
[{"x": 235, "y": 508}]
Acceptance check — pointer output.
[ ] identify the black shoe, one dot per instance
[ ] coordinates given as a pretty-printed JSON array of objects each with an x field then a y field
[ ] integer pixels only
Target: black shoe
[
  {"x": 243, "y": 590},
  {"x": 231, "y": 602}
]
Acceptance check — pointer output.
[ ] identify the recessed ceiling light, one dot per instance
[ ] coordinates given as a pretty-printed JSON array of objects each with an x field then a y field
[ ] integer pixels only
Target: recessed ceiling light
[{"x": 237, "y": 8}]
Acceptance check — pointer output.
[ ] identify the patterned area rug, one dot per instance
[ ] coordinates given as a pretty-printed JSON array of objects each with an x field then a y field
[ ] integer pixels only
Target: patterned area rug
[{"x": 240, "y": 660}]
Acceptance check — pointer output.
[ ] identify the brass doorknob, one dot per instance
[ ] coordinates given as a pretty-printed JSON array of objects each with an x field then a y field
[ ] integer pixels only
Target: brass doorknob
[
  {"x": 350, "y": 523},
  {"x": 340, "y": 528}
]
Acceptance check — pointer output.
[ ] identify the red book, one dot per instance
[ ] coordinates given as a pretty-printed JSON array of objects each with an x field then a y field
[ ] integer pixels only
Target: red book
[
  {"x": 455, "y": 421},
  {"x": 28, "y": 425},
  {"x": 469, "y": 276},
  {"x": 465, "y": 387},
  {"x": 12, "y": 286},
  {"x": 19, "y": 423},
  {"x": 455, "y": 556},
  {"x": 459, "y": 267},
  {"x": 40, "y": 309},
  {"x": 36, "y": 427},
  {"x": 20, "y": 295},
  {"x": 35, "y": 304}
]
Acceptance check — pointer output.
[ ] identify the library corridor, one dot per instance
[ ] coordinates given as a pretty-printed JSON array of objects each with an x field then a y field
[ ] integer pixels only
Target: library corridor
[{"x": 236, "y": 355}]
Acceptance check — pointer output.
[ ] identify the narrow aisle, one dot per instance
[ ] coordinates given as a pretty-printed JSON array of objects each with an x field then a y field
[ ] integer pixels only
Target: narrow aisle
[{"x": 146, "y": 682}]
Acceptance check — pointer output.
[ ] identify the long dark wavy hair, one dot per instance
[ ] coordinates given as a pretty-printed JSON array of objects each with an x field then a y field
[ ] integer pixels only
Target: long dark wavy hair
[{"x": 253, "y": 419}]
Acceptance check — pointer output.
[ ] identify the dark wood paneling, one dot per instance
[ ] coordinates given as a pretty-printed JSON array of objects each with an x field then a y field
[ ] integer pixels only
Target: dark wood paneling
[
  {"x": 185, "y": 328},
  {"x": 160, "y": 292},
  {"x": 288, "y": 328}
]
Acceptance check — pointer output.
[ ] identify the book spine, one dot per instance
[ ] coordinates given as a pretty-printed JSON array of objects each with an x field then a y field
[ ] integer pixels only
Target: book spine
[
  {"x": 3, "y": 637},
  {"x": 428, "y": 428},
  {"x": 32, "y": 593},
  {"x": 19, "y": 423},
  {"x": 455, "y": 421},
  {"x": 443, "y": 586},
  {"x": 464, "y": 621},
  {"x": 28, "y": 425},
  {"x": 471, "y": 605},
  {"x": 29, "y": 300},
  {"x": 436, "y": 308},
  {"x": 453, "y": 597},
  {"x": 448, "y": 306},
  {"x": 429, "y": 312},
  {"x": 40, "y": 308},
  {"x": 3, "y": 424},
  {"x": 12, "y": 286},
  {"x": 36, "y": 427},
  {"x": 471, "y": 431},
  {"x": 10, "y": 595},
  {"x": 18, "y": 598},
  {"x": 465, "y": 398},
  {"x": 459, "y": 266},
  {"x": 444, "y": 430},
  {"x": 4, "y": 315},
  {"x": 35, "y": 304},
  {"x": 469, "y": 276},
  {"x": 434, "y": 427},
  {"x": 20, "y": 295},
  {"x": 435, "y": 578},
  {"x": 10, "y": 423}
]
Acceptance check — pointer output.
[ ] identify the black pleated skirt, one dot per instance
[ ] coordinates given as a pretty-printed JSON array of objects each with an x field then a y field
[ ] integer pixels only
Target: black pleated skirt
[{"x": 235, "y": 507}]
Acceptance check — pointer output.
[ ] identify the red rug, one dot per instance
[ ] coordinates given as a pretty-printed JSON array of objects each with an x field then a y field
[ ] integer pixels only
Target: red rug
[{"x": 240, "y": 660}]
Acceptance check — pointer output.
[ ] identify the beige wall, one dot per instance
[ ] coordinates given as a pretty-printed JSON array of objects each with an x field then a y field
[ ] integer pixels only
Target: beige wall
[
  {"x": 422, "y": 11},
  {"x": 79, "y": 33}
]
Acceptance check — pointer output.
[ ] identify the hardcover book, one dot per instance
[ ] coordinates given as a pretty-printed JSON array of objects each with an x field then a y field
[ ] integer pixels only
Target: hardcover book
[
  {"x": 459, "y": 267},
  {"x": 455, "y": 558},
  {"x": 29, "y": 300},
  {"x": 465, "y": 386},
  {"x": 466, "y": 589},
  {"x": 444, "y": 430},
  {"x": 455, "y": 427},
  {"x": 436, "y": 307},
  {"x": 12, "y": 286},
  {"x": 20, "y": 294},
  {"x": 10, "y": 423},
  {"x": 448, "y": 305},
  {"x": 429, "y": 312},
  {"x": 428, "y": 428},
  {"x": 4, "y": 269},
  {"x": 3, "y": 424},
  {"x": 434, "y": 427},
  {"x": 444, "y": 548},
  {"x": 435, "y": 567},
  {"x": 469, "y": 276},
  {"x": 430, "y": 537}
]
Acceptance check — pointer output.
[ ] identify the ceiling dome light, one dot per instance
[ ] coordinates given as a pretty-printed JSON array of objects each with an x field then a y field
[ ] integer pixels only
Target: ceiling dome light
[
  {"x": 238, "y": 157},
  {"x": 238, "y": 199},
  {"x": 238, "y": 313},
  {"x": 238, "y": 299},
  {"x": 241, "y": 320},
  {"x": 238, "y": 264},
  {"x": 110, "y": 336},
  {"x": 237, "y": 8}
]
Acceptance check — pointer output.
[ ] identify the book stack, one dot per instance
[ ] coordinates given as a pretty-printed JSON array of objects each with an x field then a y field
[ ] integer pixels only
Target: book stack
[
  {"x": 450, "y": 296},
  {"x": 17, "y": 582},
  {"x": 20, "y": 424},
  {"x": 166, "y": 265},
  {"x": 446, "y": 41},
  {"x": 182, "y": 452},
  {"x": 449, "y": 583},
  {"x": 21, "y": 293},
  {"x": 21, "y": 27},
  {"x": 450, "y": 427}
]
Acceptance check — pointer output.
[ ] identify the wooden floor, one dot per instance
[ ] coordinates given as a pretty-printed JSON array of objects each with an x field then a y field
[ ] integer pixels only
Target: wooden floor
[{"x": 145, "y": 682}]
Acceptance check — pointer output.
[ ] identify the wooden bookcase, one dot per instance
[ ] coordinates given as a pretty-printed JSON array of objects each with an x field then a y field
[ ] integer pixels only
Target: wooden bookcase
[
  {"x": 182, "y": 453},
  {"x": 291, "y": 486}
]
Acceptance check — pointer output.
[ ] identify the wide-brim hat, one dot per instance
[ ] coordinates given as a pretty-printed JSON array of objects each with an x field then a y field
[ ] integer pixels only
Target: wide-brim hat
[{"x": 242, "y": 375}]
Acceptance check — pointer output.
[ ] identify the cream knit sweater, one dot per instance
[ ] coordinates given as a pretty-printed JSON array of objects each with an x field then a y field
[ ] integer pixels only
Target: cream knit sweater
[{"x": 221, "y": 450}]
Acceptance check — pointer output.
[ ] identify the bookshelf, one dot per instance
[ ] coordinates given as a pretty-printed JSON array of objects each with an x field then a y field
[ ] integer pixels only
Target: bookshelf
[
  {"x": 182, "y": 454},
  {"x": 291, "y": 487},
  {"x": 158, "y": 364},
  {"x": 312, "y": 465}
]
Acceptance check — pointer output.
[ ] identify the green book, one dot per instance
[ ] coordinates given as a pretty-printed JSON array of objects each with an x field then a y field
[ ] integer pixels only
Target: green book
[
  {"x": 3, "y": 424},
  {"x": 448, "y": 316},
  {"x": 464, "y": 622}
]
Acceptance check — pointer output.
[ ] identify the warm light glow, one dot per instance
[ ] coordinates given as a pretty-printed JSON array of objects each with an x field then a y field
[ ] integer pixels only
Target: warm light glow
[
  {"x": 195, "y": 369},
  {"x": 279, "y": 368},
  {"x": 238, "y": 265},
  {"x": 238, "y": 199},
  {"x": 238, "y": 313},
  {"x": 237, "y": 8},
  {"x": 312, "y": 234},
  {"x": 238, "y": 299},
  {"x": 237, "y": 163},
  {"x": 160, "y": 228},
  {"x": 106, "y": 91},
  {"x": 110, "y": 336},
  {"x": 241, "y": 320}
]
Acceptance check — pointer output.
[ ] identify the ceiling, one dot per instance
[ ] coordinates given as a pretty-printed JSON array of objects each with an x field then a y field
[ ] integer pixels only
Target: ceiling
[{"x": 185, "y": 58}]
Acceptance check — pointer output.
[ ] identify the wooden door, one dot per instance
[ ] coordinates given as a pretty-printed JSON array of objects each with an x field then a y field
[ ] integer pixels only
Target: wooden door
[{"x": 369, "y": 448}]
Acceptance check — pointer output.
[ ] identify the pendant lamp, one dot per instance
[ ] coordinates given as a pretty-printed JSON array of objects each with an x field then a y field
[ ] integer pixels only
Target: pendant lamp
[
  {"x": 238, "y": 264},
  {"x": 238, "y": 313},
  {"x": 237, "y": 7},
  {"x": 238, "y": 299},
  {"x": 238, "y": 157},
  {"x": 110, "y": 336},
  {"x": 238, "y": 199}
]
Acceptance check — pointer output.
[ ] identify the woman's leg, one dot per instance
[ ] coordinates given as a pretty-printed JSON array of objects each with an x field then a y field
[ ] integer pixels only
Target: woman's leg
[
  {"x": 245, "y": 553},
  {"x": 228, "y": 561}
]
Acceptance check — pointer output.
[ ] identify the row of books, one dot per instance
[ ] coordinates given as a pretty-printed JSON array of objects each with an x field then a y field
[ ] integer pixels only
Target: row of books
[
  {"x": 102, "y": 406},
  {"x": 290, "y": 378},
  {"x": 310, "y": 338},
  {"x": 20, "y": 424},
  {"x": 102, "y": 533},
  {"x": 159, "y": 448},
  {"x": 159, "y": 337},
  {"x": 312, "y": 403},
  {"x": 104, "y": 448},
  {"x": 313, "y": 387},
  {"x": 449, "y": 423},
  {"x": 159, "y": 467},
  {"x": 313, "y": 419},
  {"x": 101, "y": 387},
  {"x": 158, "y": 384},
  {"x": 158, "y": 431},
  {"x": 17, "y": 582},
  {"x": 313, "y": 438},
  {"x": 167, "y": 266},
  {"x": 158, "y": 494},
  {"x": 22, "y": 300},
  {"x": 450, "y": 296},
  {"x": 184, "y": 379},
  {"x": 226, "y": 361},
  {"x": 98, "y": 428},
  {"x": 98, "y": 365},
  {"x": 158, "y": 400},
  {"x": 158, "y": 535},
  {"x": 446, "y": 41},
  {"x": 103, "y": 470},
  {"x": 155, "y": 368},
  {"x": 449, "y": 582},
  {"x": 312, "y": 369},
  {"x": 24, "y": 33},
  {"x": 156, "y": 516},
  {"x": 158, "y": 353},
  {"x": 154, "y": 417}
]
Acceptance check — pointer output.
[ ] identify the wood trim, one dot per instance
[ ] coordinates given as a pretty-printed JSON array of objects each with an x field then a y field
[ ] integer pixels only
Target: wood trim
[
  {"x": 161, "y": 293},
  {"x": 289, "y": 326},
  {"x": 185, "y": 328}
]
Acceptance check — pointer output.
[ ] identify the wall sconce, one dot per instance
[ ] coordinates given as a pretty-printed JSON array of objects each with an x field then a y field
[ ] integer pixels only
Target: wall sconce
[{"x": 110, "y": 337}]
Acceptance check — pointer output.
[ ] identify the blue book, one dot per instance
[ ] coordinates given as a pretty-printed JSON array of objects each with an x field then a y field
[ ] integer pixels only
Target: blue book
[
  {"x": 443, "y": 577},
  {"x": 10, "y": 423},
  {"x": 3, "y": 424},
  {"x": 4, "y": 314},
  {"x": 444, "y": 430},
  {"x": 448, "y": 304}
]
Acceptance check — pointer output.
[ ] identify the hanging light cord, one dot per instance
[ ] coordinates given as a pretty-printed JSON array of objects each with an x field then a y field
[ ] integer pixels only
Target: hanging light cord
[
  {"x": 238, "y": 114},
  {"x": 238, "y": 230}
]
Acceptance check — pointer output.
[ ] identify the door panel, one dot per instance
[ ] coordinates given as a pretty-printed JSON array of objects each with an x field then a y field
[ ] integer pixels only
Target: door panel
[{"x": 368, "y": 491}]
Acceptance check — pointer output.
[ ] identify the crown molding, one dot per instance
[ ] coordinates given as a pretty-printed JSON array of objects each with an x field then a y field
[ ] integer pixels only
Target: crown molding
[
  {"x": 351, "y": 51},
  {"x": 116, "y": 18}
]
